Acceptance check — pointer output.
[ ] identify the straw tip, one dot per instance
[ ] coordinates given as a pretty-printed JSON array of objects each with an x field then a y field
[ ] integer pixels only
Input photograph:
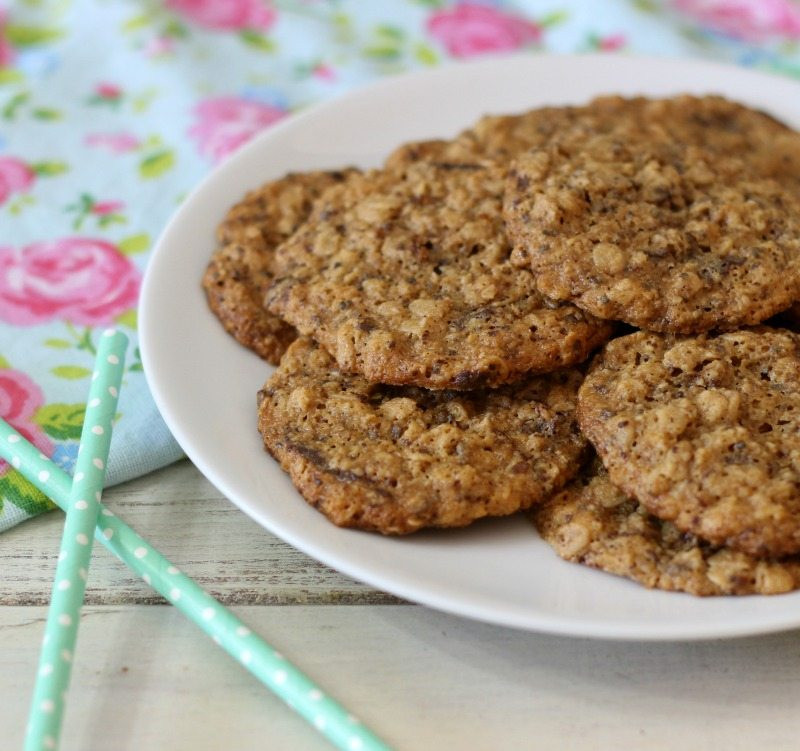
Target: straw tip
[{"x": 115, "y": 333}]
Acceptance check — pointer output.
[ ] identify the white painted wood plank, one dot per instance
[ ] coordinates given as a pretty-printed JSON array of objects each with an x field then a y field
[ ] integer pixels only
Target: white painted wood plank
[
  {"x": 196, "y": 527},
  {"x": 146, "y": 679}
]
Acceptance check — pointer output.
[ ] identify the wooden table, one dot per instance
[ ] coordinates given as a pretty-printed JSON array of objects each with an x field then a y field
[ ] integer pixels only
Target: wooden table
[{"x": 145, "y": 679}]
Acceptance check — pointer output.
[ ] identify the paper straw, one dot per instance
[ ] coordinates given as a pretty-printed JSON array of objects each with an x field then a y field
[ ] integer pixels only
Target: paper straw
[
  {"x": 83, "y": 508},
  {"x": 263, "y": 661}
]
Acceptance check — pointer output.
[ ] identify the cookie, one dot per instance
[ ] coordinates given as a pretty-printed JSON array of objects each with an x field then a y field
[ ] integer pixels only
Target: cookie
[
  {"x": 635, "y": 225},
  {"x": 242, "y": 266},
  {"x": 772, "y": 148},
  {"x": 395, "y": 459},
  {"x": 704, "y": 432},
  {"x": 593, "y": 522},
  {"x": 492, "y": 137},
  {"x": 405, "y": 279}
]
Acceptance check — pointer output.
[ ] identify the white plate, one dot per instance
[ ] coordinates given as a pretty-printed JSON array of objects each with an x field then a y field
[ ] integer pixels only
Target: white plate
[{"x": 205, "y": 384}]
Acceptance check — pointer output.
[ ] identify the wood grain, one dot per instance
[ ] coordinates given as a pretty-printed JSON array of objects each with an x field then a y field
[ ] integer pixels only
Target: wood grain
[
  {"x": 195, "y": 526},
  {"x": 147, "y": 679}
]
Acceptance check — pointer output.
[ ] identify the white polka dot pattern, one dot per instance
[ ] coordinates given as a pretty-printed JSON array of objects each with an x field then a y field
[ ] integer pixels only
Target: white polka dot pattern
[
  {"x": 82, "y": 509},
  {"x": 267, "y": 664}
]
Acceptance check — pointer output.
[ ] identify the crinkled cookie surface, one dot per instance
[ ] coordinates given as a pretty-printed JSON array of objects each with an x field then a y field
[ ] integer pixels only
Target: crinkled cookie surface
[
  {"x": 704, "y": 432},
  {"x": 397, "y": 459},
  {"x": 407, "y": 280},
  {"x": 594, "y": 523},
  {"x": 727, "y": 127},
  {"x": 636, "y": 225},
  {"x": 241, "y": 268}
]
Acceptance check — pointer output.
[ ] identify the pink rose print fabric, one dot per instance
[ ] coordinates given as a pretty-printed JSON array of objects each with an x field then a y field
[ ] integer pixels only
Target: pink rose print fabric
[
  {"x": 15, "y": 177},
  {"x": 6, "y": 50},
  {"x": 224, "y": 123},
  {"x": 113, "y": 111},
  {"x": 75, "y": 279},
  {"x": 225, "y": 15},
  {"x": 117, "y": 143},
  {"x": 470, "y": 29},
  {"x": 20, "y": 397},
  {"x": 745, "y": 19}
]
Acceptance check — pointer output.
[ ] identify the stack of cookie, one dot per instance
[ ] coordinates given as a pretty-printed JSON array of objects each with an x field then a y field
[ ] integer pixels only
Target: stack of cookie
[{"x": 432, "y": 323}]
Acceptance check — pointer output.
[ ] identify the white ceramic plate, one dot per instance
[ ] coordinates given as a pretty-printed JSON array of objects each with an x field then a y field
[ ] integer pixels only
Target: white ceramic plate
[{"x": 205, "y": 384}]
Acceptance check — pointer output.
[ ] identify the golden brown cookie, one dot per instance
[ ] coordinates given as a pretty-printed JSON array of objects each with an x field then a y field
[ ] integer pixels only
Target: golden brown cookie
[
  {"x": 727, "y": 127},
  {"x": 636, "y": 225},
  {"x": 495, "y": 137},
  {"x": 593, "y": 522},
  {"x": 242, "y": 266},
  {"x": 406, "y": 280},
  {"x": 395, "y": 459},
  {"x": 704, "y": 432}
]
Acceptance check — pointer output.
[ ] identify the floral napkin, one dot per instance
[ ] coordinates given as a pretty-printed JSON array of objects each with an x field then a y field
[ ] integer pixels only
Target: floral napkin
[{"x": 111, "y": 110}]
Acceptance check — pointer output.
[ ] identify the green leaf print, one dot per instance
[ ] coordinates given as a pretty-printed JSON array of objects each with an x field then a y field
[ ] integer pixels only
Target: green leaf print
[
  {"x": 141, "y": 21},
  {"x": 156, "y": 164},
  {"x": 61, "y": 421},
  {"x": 646, "y": 6},
  {"x": 57, "y": 343},
  {"x": 27, "y": 36},
  {"x": 48, "y": 169},
  {"x": 134, "y": 244},
  {"x": 9, "y": 75},
  {"x": 128, "y": 318},
  {"x": 425, "y": 54},
  {"x": 553, "y": 19},
  {"x": 15, "y": 489},
  {"x": 12, "y": 106},
  {"x": 71, "y": 372},
  {"x": 46, "y": 113},
  {"x": 387, "y": 43},
  {"x": 256, "y": 40}
]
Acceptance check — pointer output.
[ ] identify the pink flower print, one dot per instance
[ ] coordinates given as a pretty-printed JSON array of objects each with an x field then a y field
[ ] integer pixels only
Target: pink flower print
[
  {"x": 471, "y": 29},
  {"x": 225, "y": 123},
  {"x": 158, "y": 46},
  {"x": 324, "y": 72},
  {"x": 611, "y": 43},
  {"x": 6, "y": 50},
  {"x": 117, "y": 143},
  {"x": 20, "y": 397},
  {"x": 106, "y": 212},
  {"x": 748, "y": 20},
  {"x": 76, "y": 279},
  {"x": 15, "y": 177},
  {"x": 103, "y": 208},
  {"x": 225, "y": 15},
  {"x": 108, "y": 91}
]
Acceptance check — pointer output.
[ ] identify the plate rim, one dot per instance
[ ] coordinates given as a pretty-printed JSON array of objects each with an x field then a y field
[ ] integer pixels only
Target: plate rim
[{"x": 400, "y": 586}]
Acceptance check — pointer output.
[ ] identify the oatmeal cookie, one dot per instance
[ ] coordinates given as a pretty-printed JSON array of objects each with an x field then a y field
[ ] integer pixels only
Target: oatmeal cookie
[
  {"x": 242, "y": 266},
  {"x": 704, "y": 432},
  {"x": 726, "y": 127},
  {"x": 493, "y": 137},
  {"x": 639, "y": 226},
  {"x": 406, "y": 280},
  {"x": 593, "y": 522},
  {"x": 395, "y": 459}
]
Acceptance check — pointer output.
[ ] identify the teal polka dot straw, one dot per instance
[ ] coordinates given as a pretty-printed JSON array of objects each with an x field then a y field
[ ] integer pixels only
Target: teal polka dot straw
[
  {"x": 82, "y": 511},
  {"x": 229, "y": 632}
]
